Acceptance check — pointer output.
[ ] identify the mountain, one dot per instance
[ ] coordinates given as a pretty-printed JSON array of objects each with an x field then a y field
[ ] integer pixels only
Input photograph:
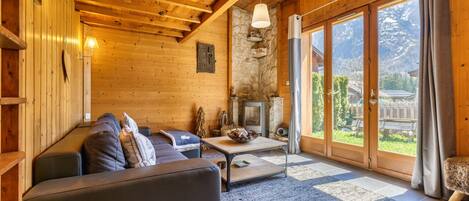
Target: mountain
[{"x": 398, "y": 36}]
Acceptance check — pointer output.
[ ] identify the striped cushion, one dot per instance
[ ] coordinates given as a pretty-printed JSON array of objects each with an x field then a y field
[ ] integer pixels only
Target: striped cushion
[{"x": 138, "y": 149}]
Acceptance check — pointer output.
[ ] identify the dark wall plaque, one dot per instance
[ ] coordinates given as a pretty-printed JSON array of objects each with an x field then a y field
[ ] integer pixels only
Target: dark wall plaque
[{"x": 205, "y": 58}]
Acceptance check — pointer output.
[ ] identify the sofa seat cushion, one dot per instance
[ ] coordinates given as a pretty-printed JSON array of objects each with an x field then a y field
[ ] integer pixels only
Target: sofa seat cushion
[
  {"x": 165, "y": 153},
  {"x": 158, "y": 138}
]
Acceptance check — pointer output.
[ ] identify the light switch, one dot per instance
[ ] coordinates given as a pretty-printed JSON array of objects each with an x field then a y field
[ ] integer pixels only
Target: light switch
[{"x": 87, "y": 116}]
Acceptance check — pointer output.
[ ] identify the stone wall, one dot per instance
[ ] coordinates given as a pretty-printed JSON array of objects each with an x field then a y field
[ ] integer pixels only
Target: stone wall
[{"x": 253, "y": 78}]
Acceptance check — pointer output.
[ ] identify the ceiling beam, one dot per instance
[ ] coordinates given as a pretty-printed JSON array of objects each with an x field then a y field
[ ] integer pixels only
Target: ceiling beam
[
  {"x": 189, "y": 4},
  {"x": 143, "y": 9},
  {"x": 107, "y": 22},
  {"x": 96, "y": 11},
  {"x": 218, "y": 8}
]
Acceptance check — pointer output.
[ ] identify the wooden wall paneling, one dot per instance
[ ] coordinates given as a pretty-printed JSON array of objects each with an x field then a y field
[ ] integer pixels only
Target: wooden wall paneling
[
  {"x": 230, "y": 49},
  {"x": 308, "y": 5},
  {"x": 48, "y": 69},
  {"x": 60, "y": 83},
  {"x": 53, "y": 69},
  {"x": 326, "y": 9},
  {"x": 27, "y": 109},
  {"x": 306, "y": 95},
  {"x": 44, "y": 41},
  {"x": 287, "y": 8},
  {"x": 54, "y": 105},
  {"x": 154, "y": 78},
  {"x": 87, "y": 61},
  {"x": 460, "y": 50}
]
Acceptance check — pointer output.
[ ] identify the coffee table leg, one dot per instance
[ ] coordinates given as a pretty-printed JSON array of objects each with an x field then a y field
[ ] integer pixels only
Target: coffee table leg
[
  {"x": 229, "y": 158},
  {"x": 285, "y": 149},
  {"x": 200, "y": 149}
]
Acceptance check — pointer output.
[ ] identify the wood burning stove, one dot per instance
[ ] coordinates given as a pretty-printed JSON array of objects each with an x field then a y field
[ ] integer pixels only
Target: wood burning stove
[{"x": 254, "y": 117}]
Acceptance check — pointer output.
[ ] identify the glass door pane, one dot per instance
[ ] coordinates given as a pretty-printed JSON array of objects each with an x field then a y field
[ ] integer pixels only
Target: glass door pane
[
  {"x": 348, "y": 80},
  {"x": 317, "y": 82},
  {"x": 398, "y": 70}
]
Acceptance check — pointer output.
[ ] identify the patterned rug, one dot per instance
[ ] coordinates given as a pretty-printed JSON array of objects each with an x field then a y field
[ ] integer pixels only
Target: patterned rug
[{"x": 307, "y": 180}]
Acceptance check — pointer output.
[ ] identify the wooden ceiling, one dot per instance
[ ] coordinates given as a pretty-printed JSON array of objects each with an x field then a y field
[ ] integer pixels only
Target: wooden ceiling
[
  {"x": 249, "y": 4},
  {"x": 175, "y": 18}
]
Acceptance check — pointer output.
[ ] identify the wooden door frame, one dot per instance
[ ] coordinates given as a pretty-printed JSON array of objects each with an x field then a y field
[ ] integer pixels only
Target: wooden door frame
[
  {"x": 380, "y": 160},
  {"x": 308, "y": 142},
  {"x": 371, "y": 155},
  {"x": 330, "y": 144},
  {"x": 327, "y": 143}
]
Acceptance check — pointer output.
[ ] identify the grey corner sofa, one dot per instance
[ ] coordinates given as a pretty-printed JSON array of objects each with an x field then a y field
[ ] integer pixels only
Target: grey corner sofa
[{"x": 59, "y": 175}]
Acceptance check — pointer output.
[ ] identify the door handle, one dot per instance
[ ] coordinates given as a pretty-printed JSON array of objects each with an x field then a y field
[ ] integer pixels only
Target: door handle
[
  {"x": 373, "y": 100},
  {"x": 330, "y": 93}
]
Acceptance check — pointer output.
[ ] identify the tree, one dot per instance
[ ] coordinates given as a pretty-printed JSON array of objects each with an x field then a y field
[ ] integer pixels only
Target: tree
[
  {"x": 341, "y": 103},
  {"x": 342, "y": 116},
  {"x": 399, "y": 81},
  {"x": 318, "y": 102}
]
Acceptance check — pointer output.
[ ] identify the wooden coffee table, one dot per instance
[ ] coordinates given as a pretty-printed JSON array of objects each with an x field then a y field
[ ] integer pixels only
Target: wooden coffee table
[{"x": 257, "y": 168}]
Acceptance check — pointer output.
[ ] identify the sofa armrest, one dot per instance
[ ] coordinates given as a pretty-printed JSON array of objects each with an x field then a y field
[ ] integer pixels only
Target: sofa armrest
[
  {"x": 63, "y": 159},
  {"x": 194, "y": 179}
]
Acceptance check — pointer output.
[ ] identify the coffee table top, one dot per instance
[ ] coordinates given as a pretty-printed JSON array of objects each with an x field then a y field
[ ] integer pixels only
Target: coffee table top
[{"x": 228, "y": 146}]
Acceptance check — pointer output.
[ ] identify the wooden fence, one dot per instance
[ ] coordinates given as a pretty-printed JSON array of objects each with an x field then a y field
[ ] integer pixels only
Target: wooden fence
[{"x": 390, "y": 111}]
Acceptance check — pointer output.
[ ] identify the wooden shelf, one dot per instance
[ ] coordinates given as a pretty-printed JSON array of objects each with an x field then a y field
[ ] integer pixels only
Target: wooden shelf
[
  {"x": 12, "y": 101},
  {"x": 255, "y": 39},
  {"x": 9, "y": 160},
  {"x": 9, "y": 40}
]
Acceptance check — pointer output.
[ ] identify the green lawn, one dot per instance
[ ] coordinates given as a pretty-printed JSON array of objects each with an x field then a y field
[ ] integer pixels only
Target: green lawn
[{"x": 393, "y": 143}]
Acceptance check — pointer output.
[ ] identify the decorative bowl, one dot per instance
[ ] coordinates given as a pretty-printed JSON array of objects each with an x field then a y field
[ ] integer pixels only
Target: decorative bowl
[{"x": 241, "y": 135}]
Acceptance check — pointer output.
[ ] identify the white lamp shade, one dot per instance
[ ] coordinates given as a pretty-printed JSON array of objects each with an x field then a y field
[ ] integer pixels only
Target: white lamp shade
[{"x": 260, "y": 18}]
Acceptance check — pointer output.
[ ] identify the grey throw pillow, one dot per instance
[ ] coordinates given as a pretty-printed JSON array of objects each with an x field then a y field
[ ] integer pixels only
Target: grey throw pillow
[{"x": 103, "y": 150}]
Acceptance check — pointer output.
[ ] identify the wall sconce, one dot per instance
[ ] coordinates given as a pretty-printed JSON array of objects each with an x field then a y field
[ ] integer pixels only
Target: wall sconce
[{"x": 91, "y": 43}]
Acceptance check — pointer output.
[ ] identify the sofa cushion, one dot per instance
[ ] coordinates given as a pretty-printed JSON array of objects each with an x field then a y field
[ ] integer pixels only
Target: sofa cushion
[
  {"x": 138, "y": 149},
  {"x": 110, "y": 119},
  {"x": 165, "y": 153},
  {"x": 159, "y": 138},
  {"x": 129, "y": 122},
  {"x": 103, "y": 150}
]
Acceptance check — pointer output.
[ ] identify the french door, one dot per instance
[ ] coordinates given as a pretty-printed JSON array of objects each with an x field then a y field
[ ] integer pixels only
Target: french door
[{"x": 362, "y": 86}]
